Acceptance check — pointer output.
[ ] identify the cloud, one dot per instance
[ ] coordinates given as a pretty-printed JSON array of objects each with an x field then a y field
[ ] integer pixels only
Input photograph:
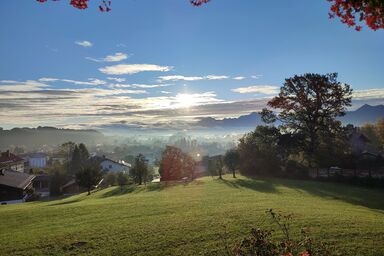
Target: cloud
[
  {"x": 128, "y": 69},
  {"x": 29, "y": 85},
  {"x": 375, "y": 93},
  {"x": 262, "y": 89},
  {"x": 119, "y": 56},
  {"x": 239, "y": 78},
  {"x": 166, "y": 92},
  {"x": 257, "y": 76},
  {"x": 84, "y": 43},
  {"x": 116, "y": 79},
  {"x": 190, "y": 78},
  {"x": 213, "y": 77},
  {"x": 91, "y": 81},
  {"x": 138, "y": 85}
]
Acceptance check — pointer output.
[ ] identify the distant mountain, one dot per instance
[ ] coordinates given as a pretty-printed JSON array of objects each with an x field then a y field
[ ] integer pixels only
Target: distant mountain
[
  {"x": 37, "y": 137},
  {"x": 364, "y": 114},
  {"x": 250, "y": 120}
]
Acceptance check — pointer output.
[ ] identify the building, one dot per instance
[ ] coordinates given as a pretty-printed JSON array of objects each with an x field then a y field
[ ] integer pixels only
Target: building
[
  {"x": 109, "y": 165},
  {"x": 36, "y": 160},
  {"x": 11, "y": 161},
  {"x": 14, "y": 186}
]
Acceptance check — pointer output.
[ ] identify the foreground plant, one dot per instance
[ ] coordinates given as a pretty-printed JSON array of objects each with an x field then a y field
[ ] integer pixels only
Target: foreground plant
[{"x": 262, "y": 242}]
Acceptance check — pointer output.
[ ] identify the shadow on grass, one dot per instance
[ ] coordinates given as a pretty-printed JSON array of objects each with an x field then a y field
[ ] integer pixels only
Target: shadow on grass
[
  {"x": 66, "y": 202},
  {"x": 248, "y": 183},
  {"x": 367, "y": 197},
  {"x": 128, "y": 189}
]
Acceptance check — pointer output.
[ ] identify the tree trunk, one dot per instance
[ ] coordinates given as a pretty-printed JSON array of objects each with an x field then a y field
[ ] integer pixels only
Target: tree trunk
[
  {"x": 220, "y": 177},
  {"x": 234, "y": 173},
  {"x": 89, "y": 191}
]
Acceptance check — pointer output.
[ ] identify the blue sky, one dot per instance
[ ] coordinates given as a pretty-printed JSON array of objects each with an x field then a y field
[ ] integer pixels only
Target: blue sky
[{"x": 59, "y": 65}]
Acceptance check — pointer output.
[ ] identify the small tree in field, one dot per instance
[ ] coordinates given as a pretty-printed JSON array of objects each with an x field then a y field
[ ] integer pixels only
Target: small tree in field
[
  {"x": 140, "y": 169},
  {"x": 88, "y": 177},
  {"x": 232, "y": 160},
  {"x": 122, "y": 179}
]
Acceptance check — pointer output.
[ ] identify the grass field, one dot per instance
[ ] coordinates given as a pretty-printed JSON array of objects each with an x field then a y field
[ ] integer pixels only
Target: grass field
[{"x": 192, "y": 219}]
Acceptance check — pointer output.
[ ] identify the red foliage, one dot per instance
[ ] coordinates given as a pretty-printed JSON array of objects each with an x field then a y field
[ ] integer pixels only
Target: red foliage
[{"x": 351, "y": 12}]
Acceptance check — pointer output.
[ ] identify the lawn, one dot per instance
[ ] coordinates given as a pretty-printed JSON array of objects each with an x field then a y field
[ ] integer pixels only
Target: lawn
[{"x": 194, "y": 219}]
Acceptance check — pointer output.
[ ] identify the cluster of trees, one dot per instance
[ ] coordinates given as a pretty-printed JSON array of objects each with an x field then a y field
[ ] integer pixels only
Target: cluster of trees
[
  {"x": 375, "y": 133},
  {"x": 306, "y": 133}
]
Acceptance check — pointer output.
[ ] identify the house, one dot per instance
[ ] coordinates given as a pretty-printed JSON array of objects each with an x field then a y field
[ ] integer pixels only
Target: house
[
  {"x": 14, "y": 186},
  {"x": 36, "y": 160},
  {"x": 109, "y": 165},
  {"x": 11, "y": 161}
]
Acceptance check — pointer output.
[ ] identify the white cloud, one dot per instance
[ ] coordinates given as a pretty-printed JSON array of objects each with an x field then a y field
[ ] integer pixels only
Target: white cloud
[
  {"x": 116, "y": 79},
  {"x": 375, "y": 93},
  {"x": 179, "y": 77},
  {"x": 119, "y": 56},
  {"x": 239, "y": 78},
  {"x": 213, "y": 77},
  {"x": 166, "y": 92},
  {"x": 91, "y": 81},
  {"x": 146, "y": 86},
  {"x": 29, "y": 85},
  {"x": 262, "y": 89},
  {"x": 190, "y": 78},
  {"x": 128, "y": 69},
  {"x": 84, "y": 43},
  {"x": 257, "y": 76}
]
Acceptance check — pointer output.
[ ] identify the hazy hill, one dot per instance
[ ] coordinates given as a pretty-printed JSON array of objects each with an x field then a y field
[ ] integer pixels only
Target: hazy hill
[{"x": 36, "y": 137}]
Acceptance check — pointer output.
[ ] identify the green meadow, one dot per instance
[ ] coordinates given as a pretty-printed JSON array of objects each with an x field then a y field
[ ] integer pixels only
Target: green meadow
[{"x": 199, "y": 218}]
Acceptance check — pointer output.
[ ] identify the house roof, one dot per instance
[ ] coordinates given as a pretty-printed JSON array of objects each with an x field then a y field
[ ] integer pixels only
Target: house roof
[
  {"x": 7, "y": 158},
  {"x": 103, "y": 158},
  {"x": 15, "y": 179},
  {"x": 36, "y": 155}
]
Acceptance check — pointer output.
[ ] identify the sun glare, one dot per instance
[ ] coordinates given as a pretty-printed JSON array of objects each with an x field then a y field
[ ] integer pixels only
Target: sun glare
[{"x": 185, "y": 100}]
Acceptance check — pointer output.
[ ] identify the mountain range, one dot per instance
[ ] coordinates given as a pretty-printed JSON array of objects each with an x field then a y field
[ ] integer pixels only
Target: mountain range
[{"x": 364, "y": 114}]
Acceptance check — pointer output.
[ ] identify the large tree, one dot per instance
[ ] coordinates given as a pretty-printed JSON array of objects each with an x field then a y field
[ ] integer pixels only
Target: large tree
[
  {"x": 309, "y": 105},
  {"x": 175, "y": 164}
]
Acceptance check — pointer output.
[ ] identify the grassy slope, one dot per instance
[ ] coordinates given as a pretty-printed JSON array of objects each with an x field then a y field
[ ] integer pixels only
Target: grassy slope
[{"x": 190, "y": 219}]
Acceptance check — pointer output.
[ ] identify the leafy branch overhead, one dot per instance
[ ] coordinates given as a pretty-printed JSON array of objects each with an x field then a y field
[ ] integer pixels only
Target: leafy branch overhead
[{"x": 350, "y": 12}]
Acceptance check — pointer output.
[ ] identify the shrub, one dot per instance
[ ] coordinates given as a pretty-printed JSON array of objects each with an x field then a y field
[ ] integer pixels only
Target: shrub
[{"x": 262, "y": 242}]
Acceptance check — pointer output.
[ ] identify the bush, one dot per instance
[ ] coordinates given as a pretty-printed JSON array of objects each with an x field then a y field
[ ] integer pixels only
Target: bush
[{"x": 263, "y": 242}]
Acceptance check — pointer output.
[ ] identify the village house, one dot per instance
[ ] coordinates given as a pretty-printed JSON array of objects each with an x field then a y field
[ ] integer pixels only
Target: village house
[
  {"x": 14, "y": 186},
  {"x": 36, "y": 160},
  {"x": 11, "y": 161},
  {"x": 109, "y": 165}
]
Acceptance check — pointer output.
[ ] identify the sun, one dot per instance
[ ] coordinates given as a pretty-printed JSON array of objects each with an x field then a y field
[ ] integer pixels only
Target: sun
[{"x": 185, "y": 100}]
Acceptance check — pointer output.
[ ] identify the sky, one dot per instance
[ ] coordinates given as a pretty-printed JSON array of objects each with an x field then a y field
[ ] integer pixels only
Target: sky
[{"x": 165, "y": 64}]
